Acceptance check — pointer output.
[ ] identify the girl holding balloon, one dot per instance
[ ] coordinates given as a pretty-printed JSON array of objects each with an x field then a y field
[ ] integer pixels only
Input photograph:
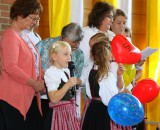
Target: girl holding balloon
[
  {"x": 101, "y": 86},
  {"x": 113, "y": 67}
]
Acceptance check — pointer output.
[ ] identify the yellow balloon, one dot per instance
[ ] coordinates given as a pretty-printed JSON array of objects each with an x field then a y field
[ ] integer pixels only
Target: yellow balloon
[{"x": 129, "y": 73}]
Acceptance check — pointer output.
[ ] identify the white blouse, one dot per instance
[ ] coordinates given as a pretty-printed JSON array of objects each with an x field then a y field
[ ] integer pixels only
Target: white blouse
[
  {"x": 33, "y": 36},
  {"x": 108, "y": 85},
  {"x": 53, "y": 77}
]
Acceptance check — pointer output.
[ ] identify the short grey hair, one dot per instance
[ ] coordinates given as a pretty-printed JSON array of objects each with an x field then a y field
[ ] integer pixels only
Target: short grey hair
[{"x": 72, "y": 31}]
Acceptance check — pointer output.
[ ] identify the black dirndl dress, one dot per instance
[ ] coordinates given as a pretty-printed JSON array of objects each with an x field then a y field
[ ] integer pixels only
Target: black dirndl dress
[{"x": 97, "y": 117}]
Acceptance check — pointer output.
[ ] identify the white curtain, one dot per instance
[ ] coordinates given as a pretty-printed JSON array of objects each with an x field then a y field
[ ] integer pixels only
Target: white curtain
[
  {"x": 77, "y": 11},
  {"x": 126, "y": 6}
]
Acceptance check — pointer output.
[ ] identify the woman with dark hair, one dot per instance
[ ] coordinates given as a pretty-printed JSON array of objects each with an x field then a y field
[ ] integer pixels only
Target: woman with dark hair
[
  {"x": 99, "y": 20},
  {"x": 20, "y": 83}
]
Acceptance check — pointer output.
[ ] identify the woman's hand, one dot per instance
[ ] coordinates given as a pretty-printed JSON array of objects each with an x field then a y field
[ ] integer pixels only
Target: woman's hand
[
  {"x": 38, "y": 86},
  {"x": 140, "y": 63}
]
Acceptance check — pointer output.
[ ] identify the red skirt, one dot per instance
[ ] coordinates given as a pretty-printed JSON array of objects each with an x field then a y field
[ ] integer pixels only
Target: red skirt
[
  {"x": 84, "y": 111},
  {"x": 64, "y": 116}
]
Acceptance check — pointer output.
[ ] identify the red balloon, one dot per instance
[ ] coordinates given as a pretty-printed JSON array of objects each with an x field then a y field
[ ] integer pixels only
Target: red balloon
[
  {"x": 146, "y": 90},
  {"x": 123, "y": 51}
]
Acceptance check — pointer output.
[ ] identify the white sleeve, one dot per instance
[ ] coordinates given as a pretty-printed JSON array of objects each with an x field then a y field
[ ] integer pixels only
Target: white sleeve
[
  {"x": 52, "y": 80},
  {"x": 85, "y": 78},
  {"x": 108, "y": 88},
  {"x": 85, "y": 72},
  {"x": 84, "y": 44}
]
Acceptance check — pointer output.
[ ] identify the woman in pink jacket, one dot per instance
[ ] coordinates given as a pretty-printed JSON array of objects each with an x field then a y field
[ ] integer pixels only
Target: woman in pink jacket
[{"x": 20, "y": 83}]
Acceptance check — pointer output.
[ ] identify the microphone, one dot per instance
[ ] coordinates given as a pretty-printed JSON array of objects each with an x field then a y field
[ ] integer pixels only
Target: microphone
[{"x": 71, "y": 67}]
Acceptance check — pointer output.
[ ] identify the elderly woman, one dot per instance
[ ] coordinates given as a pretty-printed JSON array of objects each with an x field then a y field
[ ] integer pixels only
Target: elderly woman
[{"x": 20, "y": 83}]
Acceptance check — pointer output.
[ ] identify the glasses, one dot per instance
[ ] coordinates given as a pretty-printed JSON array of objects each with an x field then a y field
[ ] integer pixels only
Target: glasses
[
  {"x": 110, "y": 17},
  {"x": 34, "y": 18}
]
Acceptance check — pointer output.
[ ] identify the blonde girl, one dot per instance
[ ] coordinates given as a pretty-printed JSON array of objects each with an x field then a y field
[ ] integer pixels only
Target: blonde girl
[{"x": 59, "y": 84}]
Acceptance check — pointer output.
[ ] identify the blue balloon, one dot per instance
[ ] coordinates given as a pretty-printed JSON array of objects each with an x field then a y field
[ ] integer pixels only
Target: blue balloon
[{"x": 125, "y": 109}]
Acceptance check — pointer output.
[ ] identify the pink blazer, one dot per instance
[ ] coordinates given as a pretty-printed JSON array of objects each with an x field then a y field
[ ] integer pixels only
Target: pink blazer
[{"x": 18, "y": 65}]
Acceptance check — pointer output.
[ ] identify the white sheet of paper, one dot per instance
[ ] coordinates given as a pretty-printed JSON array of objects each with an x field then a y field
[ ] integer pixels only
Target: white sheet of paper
[{"x": 147, "y": 52}]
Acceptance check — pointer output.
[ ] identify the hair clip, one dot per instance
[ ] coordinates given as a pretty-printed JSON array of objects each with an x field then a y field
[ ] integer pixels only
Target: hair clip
[{"x": 55, "y": 45}]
